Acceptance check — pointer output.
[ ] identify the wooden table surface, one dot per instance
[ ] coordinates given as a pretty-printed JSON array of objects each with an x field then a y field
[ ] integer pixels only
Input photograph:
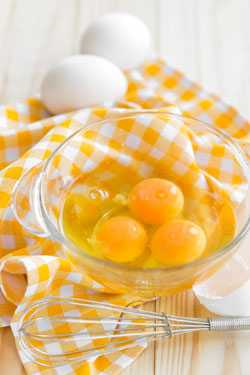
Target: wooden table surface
[{"x": 208, "y": 40}]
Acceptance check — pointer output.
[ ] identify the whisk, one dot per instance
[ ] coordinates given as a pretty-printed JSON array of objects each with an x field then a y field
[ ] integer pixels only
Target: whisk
[{"x": 86, "y": 329}]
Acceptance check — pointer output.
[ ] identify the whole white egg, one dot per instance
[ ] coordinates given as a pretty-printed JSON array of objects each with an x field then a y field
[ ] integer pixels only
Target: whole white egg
[
  {"x": 82, "y": 81},
  {"x": 120, "y": 37}
]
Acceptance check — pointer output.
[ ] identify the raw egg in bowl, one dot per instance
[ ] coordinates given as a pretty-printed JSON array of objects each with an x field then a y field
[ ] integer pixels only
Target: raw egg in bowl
[{"x": 145, "y": 201}]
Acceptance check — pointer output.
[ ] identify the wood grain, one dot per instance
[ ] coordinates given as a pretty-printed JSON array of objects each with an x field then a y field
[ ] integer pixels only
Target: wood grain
[{"x": 210, "y": 42}]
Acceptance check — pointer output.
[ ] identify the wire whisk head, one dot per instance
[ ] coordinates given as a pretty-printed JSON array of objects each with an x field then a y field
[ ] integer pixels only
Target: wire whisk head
[{"x": 55, "y": 331}]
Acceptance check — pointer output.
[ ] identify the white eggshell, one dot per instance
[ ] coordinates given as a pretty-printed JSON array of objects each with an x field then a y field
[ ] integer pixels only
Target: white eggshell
[
  {"x": 120, "y": 37},
  {"x": 227, "y": 292},
  {"x": 82, "y": 81},
  {"x": 236, "y": 303}
]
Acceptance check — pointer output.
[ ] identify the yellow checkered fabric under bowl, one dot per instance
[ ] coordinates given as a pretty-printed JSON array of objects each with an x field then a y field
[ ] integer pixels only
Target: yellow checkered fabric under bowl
[{"x": 32, "y": 268}]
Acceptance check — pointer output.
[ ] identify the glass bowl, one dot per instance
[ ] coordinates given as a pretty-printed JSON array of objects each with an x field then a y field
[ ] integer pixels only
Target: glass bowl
[{"x": 40, "y": 193}]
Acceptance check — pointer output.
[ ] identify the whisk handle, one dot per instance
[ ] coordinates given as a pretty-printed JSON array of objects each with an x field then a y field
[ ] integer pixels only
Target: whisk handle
[{"x": 229, "y": 324}]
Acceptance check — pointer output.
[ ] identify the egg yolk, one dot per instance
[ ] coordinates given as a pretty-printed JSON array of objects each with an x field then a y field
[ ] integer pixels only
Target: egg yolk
[
  {"x": 178, "y": 242},
  {"x": 122, "y": 239},
  {"x": 85, "y": 208},
  {"x": 155, "y": 200}
]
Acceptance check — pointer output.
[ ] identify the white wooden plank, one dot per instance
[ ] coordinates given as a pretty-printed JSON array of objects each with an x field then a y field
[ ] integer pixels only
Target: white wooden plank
[
  {"x": 224, "y": 49},
  {"x": 178, "y": 35},
  {"x": 174, "y": 356},
  {"x": 145, "y": 364}
]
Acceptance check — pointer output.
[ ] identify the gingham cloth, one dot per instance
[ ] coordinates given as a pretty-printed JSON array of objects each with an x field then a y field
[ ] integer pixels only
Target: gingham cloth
[{"x": 33, "y": 268}]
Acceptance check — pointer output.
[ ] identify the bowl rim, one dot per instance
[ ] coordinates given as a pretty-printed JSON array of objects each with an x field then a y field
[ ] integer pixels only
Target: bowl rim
[{"x": 128, "y": 113}]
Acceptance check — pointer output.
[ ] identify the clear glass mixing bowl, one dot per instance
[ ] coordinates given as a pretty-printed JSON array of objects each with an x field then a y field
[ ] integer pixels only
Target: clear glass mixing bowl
[{"x": 39, "y": 195}]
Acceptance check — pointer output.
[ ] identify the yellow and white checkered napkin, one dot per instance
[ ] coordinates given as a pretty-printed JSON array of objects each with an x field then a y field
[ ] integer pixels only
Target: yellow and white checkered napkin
[{"x": 33, "y": 268}]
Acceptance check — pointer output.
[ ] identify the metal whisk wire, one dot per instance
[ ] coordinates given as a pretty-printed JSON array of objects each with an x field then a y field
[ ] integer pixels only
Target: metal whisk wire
[{"x": 139, "y": 327}]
